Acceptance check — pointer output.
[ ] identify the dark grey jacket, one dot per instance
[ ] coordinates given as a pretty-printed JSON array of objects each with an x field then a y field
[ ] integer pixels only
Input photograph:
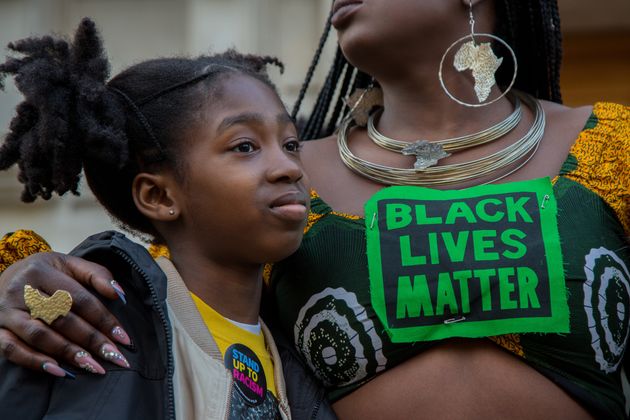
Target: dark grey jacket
[{"x": 146, "y": 390}]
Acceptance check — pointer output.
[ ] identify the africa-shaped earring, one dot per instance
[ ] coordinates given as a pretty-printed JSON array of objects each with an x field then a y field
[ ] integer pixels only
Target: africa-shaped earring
[
  {"x": 479, "y": 58},
  {"x": 362, "y": 101}
]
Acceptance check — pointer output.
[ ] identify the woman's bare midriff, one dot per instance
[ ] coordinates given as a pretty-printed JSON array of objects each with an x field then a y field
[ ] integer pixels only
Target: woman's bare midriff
[{"x": 460, "y": 379}]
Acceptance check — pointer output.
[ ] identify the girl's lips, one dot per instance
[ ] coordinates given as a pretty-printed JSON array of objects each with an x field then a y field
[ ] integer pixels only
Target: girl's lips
[
  {"x": 343, "y": 9},
  {"x": 294, "y": 212},
  {"x": 291, "y": 206}
]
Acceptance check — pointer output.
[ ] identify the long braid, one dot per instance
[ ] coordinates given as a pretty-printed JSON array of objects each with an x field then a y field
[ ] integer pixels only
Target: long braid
[
  {"x": 335, "y": 76},
  {"x": 548, "y": 49},
  {"x": 354, "y": 78},
  {"x": 555, "y": 42},
  {"x": 552, "y": 39},
  {"x": 314, "y": 123},
  {"x": 348, "y": 78},
  {"x": 532, "y": 29},
  {"x": 312, "y": 66}
]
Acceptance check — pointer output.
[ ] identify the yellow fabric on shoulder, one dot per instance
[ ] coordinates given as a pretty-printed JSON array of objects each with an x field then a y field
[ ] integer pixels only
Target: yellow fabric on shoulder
[
  {"x": 225, "y": 333},
  {"x": 18, "y": 245},
  {"x": 158, "y": 250},
  {"x": 602, "y": 152}
]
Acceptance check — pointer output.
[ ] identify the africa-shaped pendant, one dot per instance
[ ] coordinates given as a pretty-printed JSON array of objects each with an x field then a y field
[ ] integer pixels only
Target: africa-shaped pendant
[
  {"x": 483, "y": 63},
  {"x": 427, "y": 154}
]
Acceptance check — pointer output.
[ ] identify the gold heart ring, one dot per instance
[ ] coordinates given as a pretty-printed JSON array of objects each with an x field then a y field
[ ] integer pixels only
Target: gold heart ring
[{"x": 47, "y": 308}]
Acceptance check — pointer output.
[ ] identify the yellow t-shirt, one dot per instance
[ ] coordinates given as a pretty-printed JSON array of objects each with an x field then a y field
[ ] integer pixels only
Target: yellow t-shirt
[{"x": 236, "y": 341}]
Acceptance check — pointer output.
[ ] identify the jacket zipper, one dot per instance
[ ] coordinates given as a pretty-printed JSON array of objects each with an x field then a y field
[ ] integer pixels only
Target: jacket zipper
[
  {"x": 316, "y": 408},
  {"x": 228, "y": 403},
  {"x": 165, "y": 324}
]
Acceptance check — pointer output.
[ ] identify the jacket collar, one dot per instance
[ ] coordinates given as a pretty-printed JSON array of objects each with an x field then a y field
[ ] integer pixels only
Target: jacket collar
[
  {"x": 186, "y": 311},
  {"x": 133, "y": 253}
]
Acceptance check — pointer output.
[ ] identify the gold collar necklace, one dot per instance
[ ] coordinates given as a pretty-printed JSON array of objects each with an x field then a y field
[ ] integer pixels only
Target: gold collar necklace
[
  {"x": 428, "y": 153},
  {"x": 524, "y": 148}
]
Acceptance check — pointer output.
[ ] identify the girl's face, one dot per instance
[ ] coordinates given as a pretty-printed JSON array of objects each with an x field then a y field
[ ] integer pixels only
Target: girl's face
[{"x": 244, "y": 197}]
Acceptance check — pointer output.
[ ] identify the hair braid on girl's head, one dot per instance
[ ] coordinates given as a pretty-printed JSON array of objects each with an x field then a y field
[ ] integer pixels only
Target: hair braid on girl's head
[
  {"x": 260, "y": 63},
  {"x": 249, "y": 64}
]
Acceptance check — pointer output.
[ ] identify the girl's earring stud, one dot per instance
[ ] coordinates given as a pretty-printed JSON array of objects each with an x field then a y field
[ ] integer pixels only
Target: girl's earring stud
[{"x": 171, "y": 212}]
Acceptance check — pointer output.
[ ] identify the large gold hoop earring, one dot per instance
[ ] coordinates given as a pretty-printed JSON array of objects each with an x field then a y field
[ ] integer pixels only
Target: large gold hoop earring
[{"x": 481, "y": 60}]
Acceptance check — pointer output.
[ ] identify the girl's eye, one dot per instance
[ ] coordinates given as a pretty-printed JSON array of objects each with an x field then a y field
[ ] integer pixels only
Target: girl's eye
[
  {"x": 293, "y": 146},
  {"x": 245, "y": 147}
]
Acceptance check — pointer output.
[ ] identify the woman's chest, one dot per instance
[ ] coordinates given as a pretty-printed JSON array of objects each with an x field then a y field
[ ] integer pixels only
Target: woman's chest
[{"x": 327, "y": 297}]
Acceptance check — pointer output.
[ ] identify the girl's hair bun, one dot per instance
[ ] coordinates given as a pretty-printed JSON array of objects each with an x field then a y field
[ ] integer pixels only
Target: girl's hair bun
[{"x": 68, "y": 115}]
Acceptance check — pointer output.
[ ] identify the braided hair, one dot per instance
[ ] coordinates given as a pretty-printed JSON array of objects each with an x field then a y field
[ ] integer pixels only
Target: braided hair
[
  {"x": 530, "y": 27},
  {"x": 73, "y": 119}
]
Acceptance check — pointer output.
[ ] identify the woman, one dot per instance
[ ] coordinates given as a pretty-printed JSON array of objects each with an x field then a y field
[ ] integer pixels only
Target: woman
[
  {"x": 349, "y": 324},
  {"x": 571, "y": 377},
  {"x": 197, "y": 154}
]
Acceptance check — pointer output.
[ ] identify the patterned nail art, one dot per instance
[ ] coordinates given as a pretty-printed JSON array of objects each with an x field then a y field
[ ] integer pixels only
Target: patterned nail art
[
  {"x": 119, "y": 291},
  {"x": 57, "y": 371},
  {"x": 121, "y": 336},
  {"x": 85, "y": 361},
  {"x": 109, "y": 352}
]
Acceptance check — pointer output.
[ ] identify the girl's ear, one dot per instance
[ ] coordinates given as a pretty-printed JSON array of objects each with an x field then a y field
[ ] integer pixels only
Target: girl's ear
[{"x": 154, "y": 195}]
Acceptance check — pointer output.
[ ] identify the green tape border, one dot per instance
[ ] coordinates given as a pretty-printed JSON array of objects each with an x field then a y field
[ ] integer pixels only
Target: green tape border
[{"x": 558, "y": 322}]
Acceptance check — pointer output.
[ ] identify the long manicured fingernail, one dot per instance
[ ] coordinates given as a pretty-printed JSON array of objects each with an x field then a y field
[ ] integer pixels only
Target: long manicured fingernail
[
  {"x": 85, "y": 361},
  {"x": 121, "y": 336},
  {"x": 109, "y": 352},
  {"x": 119, "y": 291},
  {"x": 57, "y": 370}
]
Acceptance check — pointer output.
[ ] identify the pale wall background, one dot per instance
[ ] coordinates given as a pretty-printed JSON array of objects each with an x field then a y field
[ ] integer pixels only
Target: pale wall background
[{"x": 137, "y": 29}]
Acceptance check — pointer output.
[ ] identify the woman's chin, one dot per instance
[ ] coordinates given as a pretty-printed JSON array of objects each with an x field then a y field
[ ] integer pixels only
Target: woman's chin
[{"x": 360, "y": 48}]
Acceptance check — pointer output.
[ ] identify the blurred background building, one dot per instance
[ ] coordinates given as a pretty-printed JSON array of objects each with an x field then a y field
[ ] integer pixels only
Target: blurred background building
[{"x": 596, "y": 65}]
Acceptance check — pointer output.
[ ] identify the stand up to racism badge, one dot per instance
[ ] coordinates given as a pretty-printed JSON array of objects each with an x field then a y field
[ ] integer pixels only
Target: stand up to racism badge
[
  {"x": 247, "y": 372},
  {"x": 475, "y": 262}
]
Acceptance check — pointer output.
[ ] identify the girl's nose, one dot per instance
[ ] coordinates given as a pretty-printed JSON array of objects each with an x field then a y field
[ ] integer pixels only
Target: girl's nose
[{"x": 284, "y": 167}]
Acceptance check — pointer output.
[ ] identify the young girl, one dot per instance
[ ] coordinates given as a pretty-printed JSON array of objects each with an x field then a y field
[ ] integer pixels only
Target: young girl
[
  {"x": 196, "y": 154},
  {"x": 349, "y": 321}
]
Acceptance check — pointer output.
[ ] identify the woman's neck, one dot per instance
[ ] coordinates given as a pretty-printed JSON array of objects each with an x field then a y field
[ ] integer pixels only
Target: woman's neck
[
  {"x": 233, "y": 290},
  {"x": 416, "y": 107}
]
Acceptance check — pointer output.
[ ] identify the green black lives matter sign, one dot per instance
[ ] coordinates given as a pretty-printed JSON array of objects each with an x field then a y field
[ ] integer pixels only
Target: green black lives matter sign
[{"x": 476, "y": 262}]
